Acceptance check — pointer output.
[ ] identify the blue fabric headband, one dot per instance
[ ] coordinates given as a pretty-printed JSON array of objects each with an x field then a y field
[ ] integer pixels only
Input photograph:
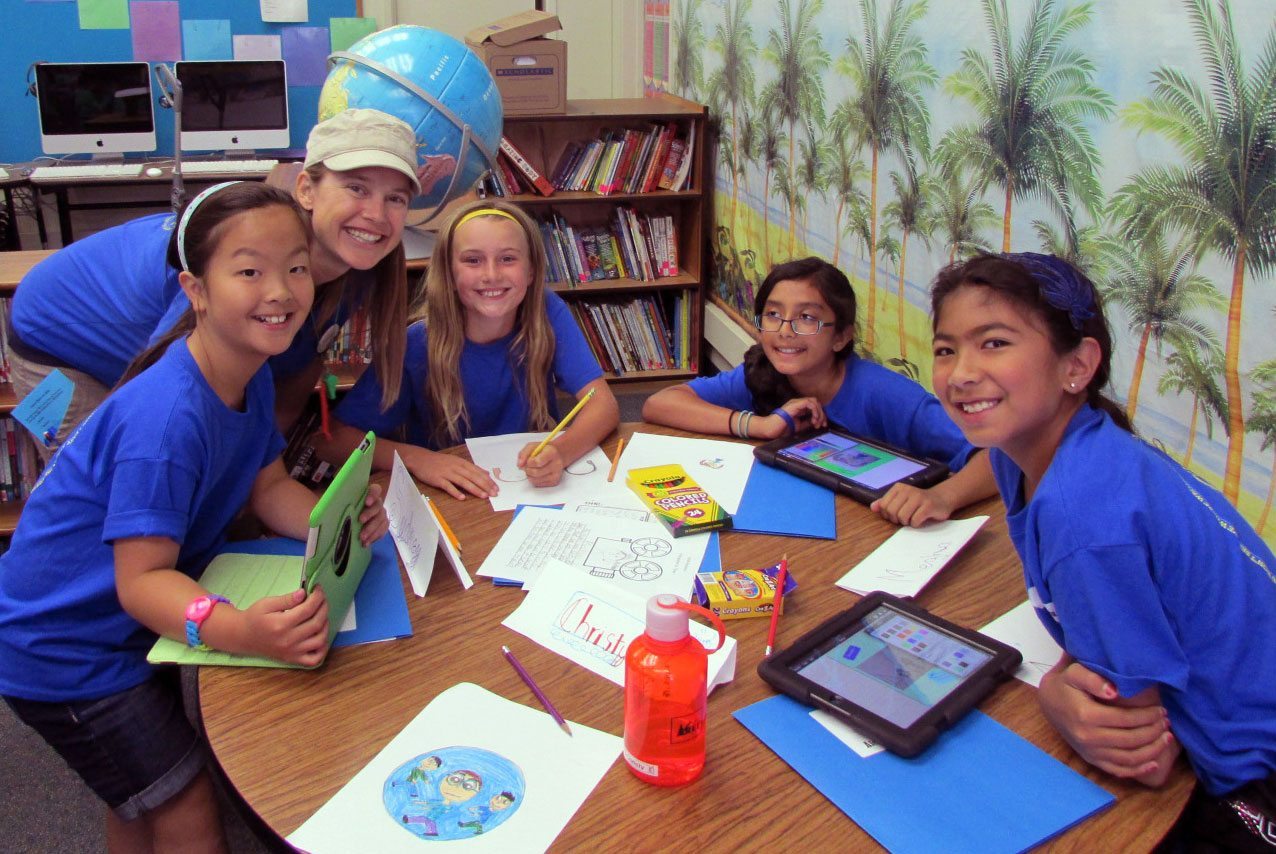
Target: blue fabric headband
[
  {"x": 1060, "y": 284},
  {"x": 186, "y": 218}
]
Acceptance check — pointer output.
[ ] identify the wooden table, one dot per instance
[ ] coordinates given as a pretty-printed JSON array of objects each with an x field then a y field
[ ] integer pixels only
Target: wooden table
[{"x": 289, "y": 740}]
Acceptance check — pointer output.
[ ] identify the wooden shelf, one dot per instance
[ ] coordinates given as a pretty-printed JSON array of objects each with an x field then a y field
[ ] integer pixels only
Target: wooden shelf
[
  {"x": 9, "y": 513},
  {"x": 8, "y": 400},
  {"x": 680, "y": 282},
  {"x": 573, "y": 197}
]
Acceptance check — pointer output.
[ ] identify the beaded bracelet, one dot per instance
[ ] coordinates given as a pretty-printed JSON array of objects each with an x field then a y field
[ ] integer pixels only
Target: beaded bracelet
[{"x": 787, "y": 419}]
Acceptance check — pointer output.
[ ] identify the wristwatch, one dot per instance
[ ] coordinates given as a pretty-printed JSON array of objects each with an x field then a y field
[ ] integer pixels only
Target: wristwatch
[{"x": 196, "y": 613}]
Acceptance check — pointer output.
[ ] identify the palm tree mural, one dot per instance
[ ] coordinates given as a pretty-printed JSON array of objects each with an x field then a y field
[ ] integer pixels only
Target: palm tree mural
[
  {"x": 1159, "y": 287},
  {"x": 733, "y": 83},
  {"x": 771, "y": 141},
  {"x": 745, "y": 140},
  {"x": 1224, "y": 190},
  {"x": 812, "y": 177},
  {"x": 1084, "y": 246},
  {"x": 1032, "y": 98},
  {"x": 843, "y": 170},
  {"x": 798, "y": 90},
  {"x": 688, "y": 57},
  {"x": 887, "y": 111},
  {"x": 1262, "y": 420},
  {"x": 1195, "y": 369},
  {"x": 960, "y": 216},
  {"x": 888, "y": 251},
  {"x": 910, "y": 214}
]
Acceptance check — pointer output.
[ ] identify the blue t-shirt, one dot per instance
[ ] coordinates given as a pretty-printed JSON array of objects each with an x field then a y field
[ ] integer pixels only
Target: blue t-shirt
[
  {"x": 495, "y": 400},
  {"x": 161, "y": 457},
  {"x": 97, "y": 303},
  {"x": 873, "y": 402},
  {"x": 1148, "y": 576}
]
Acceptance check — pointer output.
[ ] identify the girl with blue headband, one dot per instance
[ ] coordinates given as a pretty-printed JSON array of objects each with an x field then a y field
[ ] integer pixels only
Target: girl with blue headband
[
  {"x": 804, "y": 374},
  {"x": 1161, "y": 595},
  {"x": 134, "y": 505}
]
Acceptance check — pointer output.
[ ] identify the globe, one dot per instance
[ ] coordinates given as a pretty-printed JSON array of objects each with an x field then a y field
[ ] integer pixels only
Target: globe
[{"x": 444, "y": 68}]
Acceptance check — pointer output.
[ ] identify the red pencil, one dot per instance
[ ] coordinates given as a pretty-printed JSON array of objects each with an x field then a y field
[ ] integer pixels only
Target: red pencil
[{"x": 779, "y": 600}]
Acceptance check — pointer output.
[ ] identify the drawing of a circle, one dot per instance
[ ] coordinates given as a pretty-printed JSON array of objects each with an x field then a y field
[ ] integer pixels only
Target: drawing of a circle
[
  {"x": 640, "y": 570},
  {"x": 341, "y": 551},
  {"x": 650, "y": 547}
]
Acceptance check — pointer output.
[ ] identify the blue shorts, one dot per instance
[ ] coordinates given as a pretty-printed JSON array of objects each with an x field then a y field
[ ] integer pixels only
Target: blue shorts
[{"x": 135, "y": 749}]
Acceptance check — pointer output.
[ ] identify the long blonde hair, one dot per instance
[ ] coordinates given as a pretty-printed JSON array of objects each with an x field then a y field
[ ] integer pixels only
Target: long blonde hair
[
  {"x": 386, "y": 304},
  {"x": 532, "y": 349}
]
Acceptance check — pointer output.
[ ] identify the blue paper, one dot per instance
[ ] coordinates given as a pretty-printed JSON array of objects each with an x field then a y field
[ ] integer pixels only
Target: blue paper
[
  {"x": 43, "y": 409},
  {"x": 776, "y": 502},
  {"x": 380, "y": 606},
  {"x": 980, "y": 788}
]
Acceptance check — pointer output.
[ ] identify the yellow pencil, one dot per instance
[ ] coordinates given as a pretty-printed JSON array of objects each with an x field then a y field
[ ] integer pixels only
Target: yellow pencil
[
  {"x": 561, "y": 424},
  {"x": 444, "y": 526},
  {"x": 620, "y": 446}
]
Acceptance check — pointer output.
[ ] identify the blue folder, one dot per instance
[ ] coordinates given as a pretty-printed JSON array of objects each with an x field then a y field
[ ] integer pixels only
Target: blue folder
[
  {"x": 776, "y": 502},
  {"x": 379, "y": 604},
  {"x": 980, "y": 788}
]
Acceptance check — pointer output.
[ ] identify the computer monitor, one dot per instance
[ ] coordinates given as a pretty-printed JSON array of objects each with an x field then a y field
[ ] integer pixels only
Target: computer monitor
[
  {"x": 234, "y": 105},
  {"x": 95, "y": 107}
]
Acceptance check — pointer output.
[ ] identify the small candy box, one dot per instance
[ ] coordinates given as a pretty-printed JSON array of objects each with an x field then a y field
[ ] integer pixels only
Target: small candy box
[
  {"x": 733, "y": 594},
  {"x": 677, "y": 500}
]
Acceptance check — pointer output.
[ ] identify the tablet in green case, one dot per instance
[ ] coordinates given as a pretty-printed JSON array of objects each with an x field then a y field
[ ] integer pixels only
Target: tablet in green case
[{"x": 335, "y": 560}]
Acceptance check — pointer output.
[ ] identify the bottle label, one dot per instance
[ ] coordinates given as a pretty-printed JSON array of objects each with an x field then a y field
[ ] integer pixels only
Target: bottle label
[
  {"x": 638, "y": 765},
  {"x": 685, "y": 728}
]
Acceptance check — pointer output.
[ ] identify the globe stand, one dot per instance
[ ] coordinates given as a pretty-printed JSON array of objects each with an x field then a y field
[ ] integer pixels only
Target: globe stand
[{"x": 468, "y": 137}]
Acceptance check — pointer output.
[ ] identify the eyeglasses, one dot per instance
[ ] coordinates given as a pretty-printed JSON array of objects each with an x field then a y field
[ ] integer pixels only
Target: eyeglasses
[{"x": 803, "y": 324}]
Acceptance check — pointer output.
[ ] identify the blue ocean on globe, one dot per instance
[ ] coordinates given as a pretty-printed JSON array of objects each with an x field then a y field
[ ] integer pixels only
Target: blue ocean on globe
[{"x": 441, "y": 66}]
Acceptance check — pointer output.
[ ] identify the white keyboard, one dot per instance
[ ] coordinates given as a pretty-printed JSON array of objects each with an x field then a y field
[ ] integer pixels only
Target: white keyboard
[
  {"x": 198, "y": 167},
  {"x": 88, "y": 170}
]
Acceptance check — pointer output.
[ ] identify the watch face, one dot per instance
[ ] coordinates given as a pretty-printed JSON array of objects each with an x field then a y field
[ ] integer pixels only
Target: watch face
[{"x": 199, "y": 609}]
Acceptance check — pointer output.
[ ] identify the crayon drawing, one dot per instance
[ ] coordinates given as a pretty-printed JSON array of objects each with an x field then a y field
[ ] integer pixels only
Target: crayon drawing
[{"x": 454, "y": 793}]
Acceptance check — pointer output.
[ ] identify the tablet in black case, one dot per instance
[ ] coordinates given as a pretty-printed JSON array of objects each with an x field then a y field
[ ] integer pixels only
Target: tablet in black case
[
  {"x": 891, "y": 670},
  {"x": 862, "y": 468}
]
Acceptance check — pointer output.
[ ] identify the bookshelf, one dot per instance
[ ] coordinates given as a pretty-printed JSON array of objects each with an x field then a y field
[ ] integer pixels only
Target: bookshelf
[
  {"x": 542, "y": 139},
  {"x": 10, "y": 272}
]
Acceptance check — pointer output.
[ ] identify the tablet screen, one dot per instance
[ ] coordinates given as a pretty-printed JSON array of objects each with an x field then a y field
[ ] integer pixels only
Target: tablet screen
[
  {"x": 893, "y": 665},
  {"x": 870, "y": 466}
]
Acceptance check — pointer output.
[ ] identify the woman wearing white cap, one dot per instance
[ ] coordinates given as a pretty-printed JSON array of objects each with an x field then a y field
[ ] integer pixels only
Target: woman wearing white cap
[{"x": 90, "y": 308}]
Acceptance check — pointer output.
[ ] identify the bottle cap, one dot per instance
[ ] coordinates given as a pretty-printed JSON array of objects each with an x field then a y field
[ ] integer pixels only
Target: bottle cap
[{"x": 665, "y": 620}]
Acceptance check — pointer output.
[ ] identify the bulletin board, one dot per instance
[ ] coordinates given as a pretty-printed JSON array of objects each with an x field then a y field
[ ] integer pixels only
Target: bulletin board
[{"x": 164, "y": 30}]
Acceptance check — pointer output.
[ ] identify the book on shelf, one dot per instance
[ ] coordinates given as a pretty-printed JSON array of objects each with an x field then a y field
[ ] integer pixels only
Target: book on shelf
[
  {"x": 636, "y": 334},
  {"x": 524, "y": 167},
  {"x": 20, "y": 465}
]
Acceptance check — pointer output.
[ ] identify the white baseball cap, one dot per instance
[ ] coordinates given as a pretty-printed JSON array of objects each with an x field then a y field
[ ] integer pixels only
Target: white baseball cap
[{"x": 355, "y": 139}]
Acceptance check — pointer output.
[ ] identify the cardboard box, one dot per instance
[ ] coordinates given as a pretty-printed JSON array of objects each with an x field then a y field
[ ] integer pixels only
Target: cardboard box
[
  {"x": 530, "y": 71},
  {"x": 733, "y": 593},
  {"x": 677, "y": 500}
]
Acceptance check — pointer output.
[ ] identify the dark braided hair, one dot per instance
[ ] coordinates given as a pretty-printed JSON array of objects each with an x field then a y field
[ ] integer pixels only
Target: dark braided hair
[
  {"x": 770, "y": 388},
  {"x": 1065, "y": 300}
]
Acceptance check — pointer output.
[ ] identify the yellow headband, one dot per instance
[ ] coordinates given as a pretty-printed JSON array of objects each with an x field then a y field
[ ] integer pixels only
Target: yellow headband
[{"x": 483, "y": 212}]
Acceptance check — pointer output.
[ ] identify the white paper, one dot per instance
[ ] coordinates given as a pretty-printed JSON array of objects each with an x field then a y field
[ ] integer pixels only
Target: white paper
[
  {"x": 415, "y": 533},
  {"x": 587, "y": 621},
  {"x": 847, "y": 734},
  {"x": 906, "y": 562},
  {"x": 450, "y": 552},
  {"x": 641, "y": 557},
  {"x": 1021, "y": 628},
  {"x": 508, "y": 746},
  {"x": 350, "y": 623},
  {"x": 722, "y": 468},
  {"x": 285, "y": 11},
  {"x": 498, "y": 455},
  {"x": 257, "y": 47}
]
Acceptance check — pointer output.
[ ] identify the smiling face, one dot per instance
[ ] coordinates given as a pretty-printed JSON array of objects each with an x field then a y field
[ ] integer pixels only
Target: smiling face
[
  {"x": 459, "y": 786},
  {"x": 357, "y": 217},
  {"x": 1001, "y": 380},
  {"x": 807, "y": 360},
  {"x": 491, "y": 270}
]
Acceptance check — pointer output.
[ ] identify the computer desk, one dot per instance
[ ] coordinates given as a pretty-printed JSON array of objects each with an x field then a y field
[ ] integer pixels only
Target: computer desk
[{"x": 288, "y": 740}]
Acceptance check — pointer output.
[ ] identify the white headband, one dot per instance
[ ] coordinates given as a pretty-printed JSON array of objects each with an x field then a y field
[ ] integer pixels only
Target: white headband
[{"x": 186, "y": 218}]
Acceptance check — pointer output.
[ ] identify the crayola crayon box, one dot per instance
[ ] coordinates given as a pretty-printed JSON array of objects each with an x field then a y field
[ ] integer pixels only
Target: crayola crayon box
[
  {"x": 736, "y": 593},
  {"x": 677, "y": 500}
]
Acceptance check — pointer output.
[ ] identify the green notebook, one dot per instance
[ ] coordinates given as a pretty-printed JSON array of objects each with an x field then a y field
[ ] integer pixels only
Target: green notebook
[{"x": 335, "y": 559}]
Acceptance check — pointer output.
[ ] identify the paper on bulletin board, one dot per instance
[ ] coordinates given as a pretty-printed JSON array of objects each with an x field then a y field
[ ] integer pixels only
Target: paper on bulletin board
[
  {"x": 206, "y": 40},
  {"x": 285, "y": 11},
  {"x": 306, "y": 52},
  {"x": 587, "y": 621},
  {"x": 397, "y": 801},
  {"x": 103, "y": 14},
  {"x": 906, "y": 562},
  {"x": 346, "y": 31},
  {"x": 156, "y": 30},
  {"x": 257, "y": 47}
]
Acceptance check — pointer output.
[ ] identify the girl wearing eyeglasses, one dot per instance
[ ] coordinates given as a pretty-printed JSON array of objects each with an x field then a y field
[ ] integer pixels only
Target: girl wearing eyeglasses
[{"x": 805, "y": 374}]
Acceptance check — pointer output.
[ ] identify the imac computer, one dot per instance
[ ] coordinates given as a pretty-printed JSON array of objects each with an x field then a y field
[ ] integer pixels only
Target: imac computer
[
  {"x": 234, "y": 105},
  {"x": 98, "y": 108}
]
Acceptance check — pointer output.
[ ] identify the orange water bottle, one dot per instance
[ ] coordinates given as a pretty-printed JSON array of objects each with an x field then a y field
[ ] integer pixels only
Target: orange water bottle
[{"x": 666, "y": 670}]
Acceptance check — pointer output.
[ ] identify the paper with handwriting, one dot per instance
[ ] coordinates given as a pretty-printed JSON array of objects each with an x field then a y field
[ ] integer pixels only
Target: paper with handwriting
[
  {"x": 498, "y": 455},
  {"x": 906, "y": 562},
  {"x": 592, "y": 623},
  {"x": 1021, "y": 628},
  {"x": 416, "y": 532}
]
